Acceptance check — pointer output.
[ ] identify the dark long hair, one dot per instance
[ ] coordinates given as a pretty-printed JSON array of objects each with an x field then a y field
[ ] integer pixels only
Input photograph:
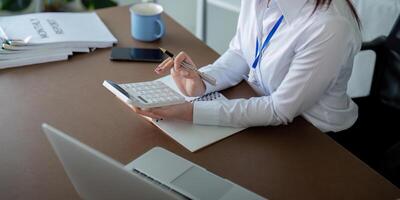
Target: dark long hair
[{"x": 322, "y": 3}]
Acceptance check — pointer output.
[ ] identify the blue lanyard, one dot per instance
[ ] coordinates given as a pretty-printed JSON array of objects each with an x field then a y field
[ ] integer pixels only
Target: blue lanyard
[{"x": 265, "y": 44}]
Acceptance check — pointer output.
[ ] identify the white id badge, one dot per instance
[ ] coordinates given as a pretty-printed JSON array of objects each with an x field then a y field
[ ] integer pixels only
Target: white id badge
[{"x": 252, "y": 81}]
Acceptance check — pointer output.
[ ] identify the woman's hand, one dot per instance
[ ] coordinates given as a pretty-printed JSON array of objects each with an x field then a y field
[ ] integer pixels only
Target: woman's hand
[
  {"x": 181, "y": 111},
  {"x": 188, "y": 82}
]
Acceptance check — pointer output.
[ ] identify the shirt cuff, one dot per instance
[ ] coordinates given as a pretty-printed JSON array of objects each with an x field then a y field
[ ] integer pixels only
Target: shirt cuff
[
  {"x": 209, "y": 88},
  {"x": 206, "y": 113}
]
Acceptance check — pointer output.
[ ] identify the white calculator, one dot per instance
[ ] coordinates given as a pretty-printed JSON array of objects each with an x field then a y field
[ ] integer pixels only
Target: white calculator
[{"x": 145, "y": 94}]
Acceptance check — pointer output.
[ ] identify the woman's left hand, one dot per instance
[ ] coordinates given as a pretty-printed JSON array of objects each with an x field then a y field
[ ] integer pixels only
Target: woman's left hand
[{"x": 181, "y": 111}]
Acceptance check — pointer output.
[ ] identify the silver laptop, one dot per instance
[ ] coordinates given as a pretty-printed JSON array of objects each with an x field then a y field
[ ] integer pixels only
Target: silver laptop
[{"x": 157, "y": 174}]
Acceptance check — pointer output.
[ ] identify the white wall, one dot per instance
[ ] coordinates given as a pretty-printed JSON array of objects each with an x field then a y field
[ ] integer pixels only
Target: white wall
[
  {"x": 221, "y": 21},
  {"x": 183, "y": 11},
  {"x": 213, "y": 21}
]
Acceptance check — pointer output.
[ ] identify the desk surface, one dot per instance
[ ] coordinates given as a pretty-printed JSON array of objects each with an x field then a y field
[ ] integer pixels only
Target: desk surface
[{"x": 285, "y": 162}]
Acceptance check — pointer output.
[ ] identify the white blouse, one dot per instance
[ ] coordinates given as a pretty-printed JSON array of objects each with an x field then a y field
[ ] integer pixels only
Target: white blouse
[{"x": 303, "y": 71}]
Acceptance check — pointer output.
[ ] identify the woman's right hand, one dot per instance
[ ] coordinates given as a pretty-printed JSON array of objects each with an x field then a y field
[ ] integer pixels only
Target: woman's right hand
[{"x": 188, "y": 81}]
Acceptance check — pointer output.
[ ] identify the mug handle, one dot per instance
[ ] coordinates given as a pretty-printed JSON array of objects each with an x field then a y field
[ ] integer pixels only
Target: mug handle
[{"x": 162, "y": 28}]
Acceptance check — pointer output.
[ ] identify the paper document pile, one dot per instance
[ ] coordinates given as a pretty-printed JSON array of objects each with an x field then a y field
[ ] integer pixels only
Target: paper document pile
[{"x": 45, "y": 37}]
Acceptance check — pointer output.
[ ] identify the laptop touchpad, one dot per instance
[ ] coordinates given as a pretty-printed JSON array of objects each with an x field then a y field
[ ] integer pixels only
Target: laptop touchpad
[{"x": 202, "y": 184}]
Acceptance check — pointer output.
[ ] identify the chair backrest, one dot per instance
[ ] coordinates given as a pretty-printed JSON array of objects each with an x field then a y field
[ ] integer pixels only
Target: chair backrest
[
  {"x": 393, "y": 40},
  {"x": 388, "y": 62}
]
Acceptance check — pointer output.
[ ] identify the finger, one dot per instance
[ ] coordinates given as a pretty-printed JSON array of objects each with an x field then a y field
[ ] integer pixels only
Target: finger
[
  {"x": 161, "y": 113},
  {"x": 182, "y": 56},
  {"x": 189, "y": 74},
  {"x": 164, "y": 66},
  {"x": 152, "y": 115},
  {"x": 166, "y": 112},
  {"x": 153, "y": 112},
  {"x": 173, "y": 73},
  {"x": 178, "y": 81},
  {"x": 164, "y": 62},
  {"x": 165, "y": 69},
  {"x": 148, "y": 113},
  {"x": 185, "y": 73},
  {"x": 189, "y": 60},
  {"x": 168, "y": 64},
  {"x": 135, "y": 109},
  {"x": 184, "y": 59}
]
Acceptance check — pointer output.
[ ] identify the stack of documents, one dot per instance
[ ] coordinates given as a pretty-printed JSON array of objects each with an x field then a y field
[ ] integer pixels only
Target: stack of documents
[{"x": 45, "y": 37}]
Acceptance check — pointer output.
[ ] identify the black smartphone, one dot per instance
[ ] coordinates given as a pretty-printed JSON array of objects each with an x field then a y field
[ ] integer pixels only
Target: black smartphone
[{"x": 136, "y": 54}]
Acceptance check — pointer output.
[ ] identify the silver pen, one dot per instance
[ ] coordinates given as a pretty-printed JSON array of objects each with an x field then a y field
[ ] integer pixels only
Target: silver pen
[{"x": 188, "y": 66}]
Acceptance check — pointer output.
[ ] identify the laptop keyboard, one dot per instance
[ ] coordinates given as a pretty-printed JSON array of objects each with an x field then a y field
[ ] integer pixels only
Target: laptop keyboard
[{"x": 159, "y": 183}]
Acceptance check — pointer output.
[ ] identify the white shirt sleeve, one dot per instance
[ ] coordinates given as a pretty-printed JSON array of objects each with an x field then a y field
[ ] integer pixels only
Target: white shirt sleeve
[
  {"x": 228, "y": 71},
  {"x": 317, "y": 61},
  {"x": 231, "y": 66}
]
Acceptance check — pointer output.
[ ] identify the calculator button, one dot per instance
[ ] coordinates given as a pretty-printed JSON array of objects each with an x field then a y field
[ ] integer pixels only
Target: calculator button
[
  {"x": 142, "y": 99},
  {"x": 153, "y": 93}
]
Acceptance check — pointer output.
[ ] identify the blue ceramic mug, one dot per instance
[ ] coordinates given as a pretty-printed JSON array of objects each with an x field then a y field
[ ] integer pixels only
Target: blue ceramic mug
[{"x": 146, "y": 22}]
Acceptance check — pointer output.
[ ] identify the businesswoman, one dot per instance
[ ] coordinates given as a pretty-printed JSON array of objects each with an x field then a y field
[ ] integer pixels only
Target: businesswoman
[{"x": 296, "y": 54}]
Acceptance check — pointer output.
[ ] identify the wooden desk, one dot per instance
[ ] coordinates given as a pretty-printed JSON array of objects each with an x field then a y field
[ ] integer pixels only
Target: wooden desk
[{"x": 290, "y": 162}]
